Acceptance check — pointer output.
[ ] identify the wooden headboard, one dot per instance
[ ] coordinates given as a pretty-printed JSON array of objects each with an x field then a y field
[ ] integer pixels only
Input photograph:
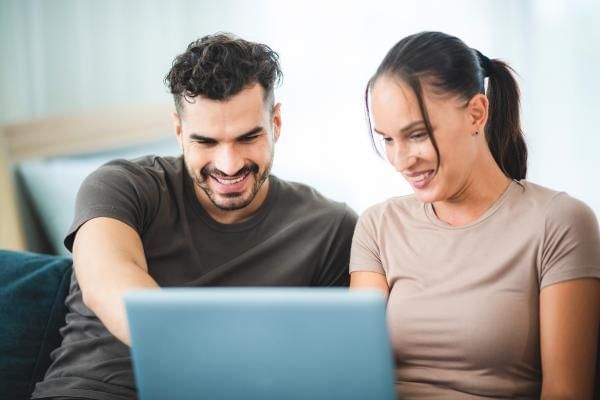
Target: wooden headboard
[{"x": 64, "y": 135}]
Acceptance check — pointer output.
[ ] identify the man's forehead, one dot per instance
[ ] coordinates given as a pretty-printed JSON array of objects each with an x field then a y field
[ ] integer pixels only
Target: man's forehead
[{"x": 250, "y": 100}]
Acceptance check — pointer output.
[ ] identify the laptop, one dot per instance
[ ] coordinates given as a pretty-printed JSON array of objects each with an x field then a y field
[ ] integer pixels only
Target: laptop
[{"x": 260, "y": 343}]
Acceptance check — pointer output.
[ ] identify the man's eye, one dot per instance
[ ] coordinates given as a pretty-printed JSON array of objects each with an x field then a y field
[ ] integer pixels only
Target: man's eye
[{"x": 249, "y": 138}]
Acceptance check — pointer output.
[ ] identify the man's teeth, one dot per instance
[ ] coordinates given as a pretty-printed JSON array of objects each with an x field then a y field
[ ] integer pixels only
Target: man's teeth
[{"x": 229, "y": 181}]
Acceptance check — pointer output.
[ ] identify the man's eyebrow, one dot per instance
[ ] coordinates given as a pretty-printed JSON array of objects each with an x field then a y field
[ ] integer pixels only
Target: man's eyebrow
[
  {"x": 203, "y": 138},
  {"x": 252, "y": 131},
  {"x": 405, "y": 129},
  {"x": 196, "y": 136}
]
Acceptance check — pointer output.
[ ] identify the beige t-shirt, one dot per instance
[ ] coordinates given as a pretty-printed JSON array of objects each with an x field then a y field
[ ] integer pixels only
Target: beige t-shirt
[{"x": 463, "y": 310}]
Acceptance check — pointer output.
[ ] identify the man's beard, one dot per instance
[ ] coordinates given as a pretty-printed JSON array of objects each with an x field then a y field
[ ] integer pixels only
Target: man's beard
[{"x": 233, "y": 201}]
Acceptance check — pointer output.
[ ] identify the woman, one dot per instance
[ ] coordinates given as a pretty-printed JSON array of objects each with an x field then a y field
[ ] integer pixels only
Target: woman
[{"x": 492, "y": 281}]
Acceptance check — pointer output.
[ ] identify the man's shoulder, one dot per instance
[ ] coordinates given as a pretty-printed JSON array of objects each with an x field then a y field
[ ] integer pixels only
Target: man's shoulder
[
  {"x": 150, "y": 169},
  {"x": 148, "y": 164},
  {"x": 138, "y": 181},
  {"x": 305, "y": 196}
]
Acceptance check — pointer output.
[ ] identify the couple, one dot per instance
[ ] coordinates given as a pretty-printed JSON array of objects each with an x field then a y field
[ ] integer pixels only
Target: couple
[{"x": 492, "y": 282}]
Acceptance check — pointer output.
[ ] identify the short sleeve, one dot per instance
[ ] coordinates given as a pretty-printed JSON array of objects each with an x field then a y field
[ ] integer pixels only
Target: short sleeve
[
  {"x": 121, "y": 190},
  {"x": 364, "y": 254},
  {"x": 571, "y": 247}
]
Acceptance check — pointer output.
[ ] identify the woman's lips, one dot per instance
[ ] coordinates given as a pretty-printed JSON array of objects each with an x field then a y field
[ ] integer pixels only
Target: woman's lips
[{"x": 420, "y": 179}]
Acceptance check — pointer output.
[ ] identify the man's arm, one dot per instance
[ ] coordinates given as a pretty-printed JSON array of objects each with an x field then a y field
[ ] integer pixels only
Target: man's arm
[
  {"x": 334, "y": 271},
  {"x": 108, "y": 258}
]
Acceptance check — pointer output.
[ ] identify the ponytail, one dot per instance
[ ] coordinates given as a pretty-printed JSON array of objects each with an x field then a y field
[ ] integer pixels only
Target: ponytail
[{"x": 503, "y": 129}]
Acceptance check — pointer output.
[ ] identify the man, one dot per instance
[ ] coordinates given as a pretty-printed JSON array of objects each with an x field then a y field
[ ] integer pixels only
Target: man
[{"x": 212, "y": 217}]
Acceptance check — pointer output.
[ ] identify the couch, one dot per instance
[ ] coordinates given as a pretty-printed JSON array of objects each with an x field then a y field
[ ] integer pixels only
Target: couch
[{"x": 33, "y": 288}]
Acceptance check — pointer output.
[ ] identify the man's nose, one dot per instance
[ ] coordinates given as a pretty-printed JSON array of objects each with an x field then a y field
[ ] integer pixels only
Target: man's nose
[{"x": 228, "y": 160}]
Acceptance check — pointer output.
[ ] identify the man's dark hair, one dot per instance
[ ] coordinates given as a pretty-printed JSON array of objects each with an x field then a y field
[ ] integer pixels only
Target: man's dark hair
[{"x": 220, "y": 66}]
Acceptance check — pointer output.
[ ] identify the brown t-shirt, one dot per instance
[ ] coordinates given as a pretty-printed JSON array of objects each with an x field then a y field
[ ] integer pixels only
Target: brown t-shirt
[
  {"x": 463, "y": 309},
  {"x": 296, "y": 238}
]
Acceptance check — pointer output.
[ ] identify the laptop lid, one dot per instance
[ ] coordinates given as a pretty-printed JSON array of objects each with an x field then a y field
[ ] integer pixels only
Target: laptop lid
[{"x": 260, "y": 343}]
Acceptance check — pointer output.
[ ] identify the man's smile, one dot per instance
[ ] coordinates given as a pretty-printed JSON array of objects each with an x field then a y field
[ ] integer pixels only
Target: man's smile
[{"x": 230, "y": 184}]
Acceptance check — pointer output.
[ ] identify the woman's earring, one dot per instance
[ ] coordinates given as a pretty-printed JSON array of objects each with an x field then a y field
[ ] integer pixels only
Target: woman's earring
[{"x": 476, "y": 133}]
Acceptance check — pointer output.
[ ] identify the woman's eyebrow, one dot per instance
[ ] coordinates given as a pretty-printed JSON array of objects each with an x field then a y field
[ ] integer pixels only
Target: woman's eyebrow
[{"x": 405, "y": 129}]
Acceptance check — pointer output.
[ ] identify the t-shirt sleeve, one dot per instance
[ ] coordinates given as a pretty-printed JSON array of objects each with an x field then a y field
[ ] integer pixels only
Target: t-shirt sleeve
[
  {"x": 571, "y": 247},
  {"x": 365, "y": 255},
  {"x": 119, "y": 189}
]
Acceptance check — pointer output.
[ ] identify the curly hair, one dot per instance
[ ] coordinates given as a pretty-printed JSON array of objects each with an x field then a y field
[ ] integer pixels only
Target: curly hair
[{"x": 221, "y": 65}]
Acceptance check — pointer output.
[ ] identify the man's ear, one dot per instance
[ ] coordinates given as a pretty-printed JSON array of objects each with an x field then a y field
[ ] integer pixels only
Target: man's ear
[
  {"x": 478, "y": 111},
  {"x": 177, "y": 128},
  {"x": 276, "y": 121}
]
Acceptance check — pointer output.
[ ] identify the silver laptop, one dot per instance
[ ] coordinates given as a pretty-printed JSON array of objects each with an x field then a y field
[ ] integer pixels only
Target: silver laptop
[{"x": 260, "y": 343}]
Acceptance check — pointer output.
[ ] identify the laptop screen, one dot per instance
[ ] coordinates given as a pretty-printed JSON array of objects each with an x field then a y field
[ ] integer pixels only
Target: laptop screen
[{"x": 260, "y": 343}]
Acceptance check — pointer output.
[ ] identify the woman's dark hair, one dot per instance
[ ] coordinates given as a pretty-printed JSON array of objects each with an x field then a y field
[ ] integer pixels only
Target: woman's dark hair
[
  {"x": 221, "y": 65},
  {"x": 447, "y": 65}
]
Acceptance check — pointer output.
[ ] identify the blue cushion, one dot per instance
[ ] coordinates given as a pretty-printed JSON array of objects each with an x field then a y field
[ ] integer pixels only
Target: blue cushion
[
  {"x": 33, "y": 288},
  {"x": 51, "y": 184}
]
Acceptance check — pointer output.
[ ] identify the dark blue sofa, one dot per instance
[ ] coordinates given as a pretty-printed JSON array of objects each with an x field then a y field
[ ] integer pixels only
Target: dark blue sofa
[{"x": 33, "y": 288}]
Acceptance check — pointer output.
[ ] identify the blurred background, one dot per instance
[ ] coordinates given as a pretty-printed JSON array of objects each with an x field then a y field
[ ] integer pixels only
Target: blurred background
[{"x": 68, "y": 56}]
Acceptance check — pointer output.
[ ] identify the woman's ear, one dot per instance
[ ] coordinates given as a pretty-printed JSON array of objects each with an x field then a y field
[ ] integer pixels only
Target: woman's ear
[{"x": 477, "y": 110}]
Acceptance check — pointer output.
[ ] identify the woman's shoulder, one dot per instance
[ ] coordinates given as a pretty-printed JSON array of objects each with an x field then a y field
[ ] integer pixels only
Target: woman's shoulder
[
  {"x": 536, "y": 193},
  {"x": 398, "y": 206},
  {"x": 557, "y": 207}
]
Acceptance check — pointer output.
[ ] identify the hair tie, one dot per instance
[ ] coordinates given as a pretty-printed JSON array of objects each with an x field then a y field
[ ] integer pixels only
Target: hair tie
[{"x": 485, "y": 63}]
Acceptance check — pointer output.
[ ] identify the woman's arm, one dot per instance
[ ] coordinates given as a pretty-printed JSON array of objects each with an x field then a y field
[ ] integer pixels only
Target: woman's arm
[
  {"x": 369, "y": 280},
  {"x": 569, "y": 332}
]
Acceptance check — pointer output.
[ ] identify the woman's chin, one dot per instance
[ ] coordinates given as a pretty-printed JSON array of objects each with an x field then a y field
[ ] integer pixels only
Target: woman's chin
[{"x": 427, "y": 195}]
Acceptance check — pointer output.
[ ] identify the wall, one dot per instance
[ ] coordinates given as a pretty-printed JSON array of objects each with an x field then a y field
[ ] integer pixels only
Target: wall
[{"x": 67, "y": 56}]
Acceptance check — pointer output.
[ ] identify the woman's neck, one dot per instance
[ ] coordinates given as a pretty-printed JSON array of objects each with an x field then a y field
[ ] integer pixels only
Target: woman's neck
[{"x": 480, "y": 191}]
